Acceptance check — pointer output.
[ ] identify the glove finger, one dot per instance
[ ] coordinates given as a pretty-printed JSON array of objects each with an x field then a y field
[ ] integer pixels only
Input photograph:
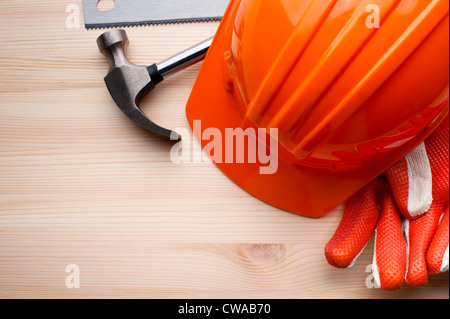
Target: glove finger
[
  {"x": 438, "y": 149},
  {"x": 423, "y": 175},
  {"x": 419, "y": 234},
  {"x": 389, "y": 266},
  {"x": 356, "y": 228},
  {"x": 437, "y": 256},
  {"x": 412, "y": 183}
]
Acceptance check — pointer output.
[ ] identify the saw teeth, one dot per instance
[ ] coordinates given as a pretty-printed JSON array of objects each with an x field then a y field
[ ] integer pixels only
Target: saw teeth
[{"x": 150, "y": 23}]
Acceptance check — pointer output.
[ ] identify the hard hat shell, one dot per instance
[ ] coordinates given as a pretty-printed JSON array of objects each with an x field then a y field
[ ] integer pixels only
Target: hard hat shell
[{"x": 349, "y": 97}]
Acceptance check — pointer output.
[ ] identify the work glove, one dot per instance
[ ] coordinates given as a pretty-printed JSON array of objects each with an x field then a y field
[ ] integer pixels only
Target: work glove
[{"x": 408, "y": 208}]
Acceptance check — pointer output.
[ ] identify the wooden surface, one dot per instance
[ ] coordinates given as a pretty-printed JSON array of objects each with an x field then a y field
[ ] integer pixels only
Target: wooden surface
[{"x": 80, "y": 184}]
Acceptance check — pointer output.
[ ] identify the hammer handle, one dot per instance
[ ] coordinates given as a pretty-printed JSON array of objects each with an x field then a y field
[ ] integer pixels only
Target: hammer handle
[{"x": 184, "y": 59}]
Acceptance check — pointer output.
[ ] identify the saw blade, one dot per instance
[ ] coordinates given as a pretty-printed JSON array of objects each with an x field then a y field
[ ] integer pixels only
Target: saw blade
[{"x": 147, "y": 12}]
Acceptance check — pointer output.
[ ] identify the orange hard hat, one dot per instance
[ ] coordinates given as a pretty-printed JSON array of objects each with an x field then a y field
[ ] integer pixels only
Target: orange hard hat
[{"x": 349, "y": 94}]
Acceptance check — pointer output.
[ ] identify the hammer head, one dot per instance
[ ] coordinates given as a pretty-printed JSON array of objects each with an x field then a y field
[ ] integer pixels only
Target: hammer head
[{"x": 128, "y": 83}]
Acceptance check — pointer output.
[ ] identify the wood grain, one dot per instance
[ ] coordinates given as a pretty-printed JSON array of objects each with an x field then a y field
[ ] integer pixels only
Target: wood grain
[{"x": 80, "y": 184}]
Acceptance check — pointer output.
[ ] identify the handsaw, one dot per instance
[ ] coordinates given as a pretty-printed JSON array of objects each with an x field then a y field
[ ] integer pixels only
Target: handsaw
[{"x": 147, "y": 12}]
